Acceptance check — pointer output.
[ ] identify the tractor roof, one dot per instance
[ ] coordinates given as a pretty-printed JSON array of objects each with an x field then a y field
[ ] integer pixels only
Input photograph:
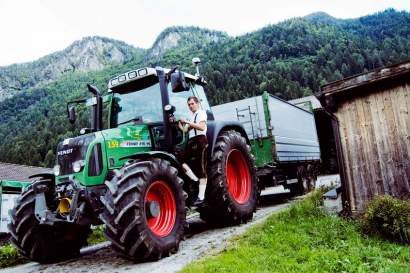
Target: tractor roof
[{"x": 140, "y": 73}]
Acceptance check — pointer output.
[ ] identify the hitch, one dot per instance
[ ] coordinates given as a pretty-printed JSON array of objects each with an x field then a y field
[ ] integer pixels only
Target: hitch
[
  {"x": 72, "y": 211},
  {"x": 41, "y": 212}
]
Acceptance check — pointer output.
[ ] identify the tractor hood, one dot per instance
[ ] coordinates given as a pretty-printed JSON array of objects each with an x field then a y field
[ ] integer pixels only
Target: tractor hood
[
  {"x": 89, "y": 157},
  {"x": 124, "y": 141}
]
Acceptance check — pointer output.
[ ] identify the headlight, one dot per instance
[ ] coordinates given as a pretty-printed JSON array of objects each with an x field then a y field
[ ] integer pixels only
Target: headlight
[
  {"x": 78, "y": 165},
  {"x": 56, "y": 170}
]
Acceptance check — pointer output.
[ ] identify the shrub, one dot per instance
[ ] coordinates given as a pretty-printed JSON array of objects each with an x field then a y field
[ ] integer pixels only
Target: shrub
[
  {"x": 388, "y": 217},
  {"x": 9, "y": 256},
  {"x": 97, "y": 236}
]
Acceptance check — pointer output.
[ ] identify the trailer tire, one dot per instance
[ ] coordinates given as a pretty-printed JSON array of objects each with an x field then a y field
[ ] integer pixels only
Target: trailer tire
[
  {"x": 43, "y": 243},
  {"x": 145, "y": 213},
  {"x": 303, "y": 180},
  {"x": 232, "y": 191},
  {"x": 312, "y": 177}
]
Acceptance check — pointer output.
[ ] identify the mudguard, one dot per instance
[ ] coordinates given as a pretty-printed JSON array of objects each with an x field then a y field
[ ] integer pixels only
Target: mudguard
[
  {"x": 215, "y": 127},
  {"x": 156, "y": 154}
]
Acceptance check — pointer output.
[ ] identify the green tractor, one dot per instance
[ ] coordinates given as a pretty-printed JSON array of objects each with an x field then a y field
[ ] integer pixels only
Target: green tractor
[{"x": 127, "y": 174}]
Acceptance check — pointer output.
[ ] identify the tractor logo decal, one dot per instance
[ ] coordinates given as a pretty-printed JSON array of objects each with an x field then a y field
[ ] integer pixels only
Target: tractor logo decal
[
  {"x": 65, "y": 152},
  {"x": 135, "y": 143}
]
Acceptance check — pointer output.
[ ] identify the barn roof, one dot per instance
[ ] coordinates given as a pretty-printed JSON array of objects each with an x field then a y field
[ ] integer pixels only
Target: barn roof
[
  {"x": 333, "y": 93},
  {"x": 15, "y": 172}
]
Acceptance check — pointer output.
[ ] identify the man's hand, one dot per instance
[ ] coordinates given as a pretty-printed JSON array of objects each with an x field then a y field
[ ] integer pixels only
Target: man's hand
[
  {"x": 184, "y": 121},
  {"x": 182, "y": 125}
]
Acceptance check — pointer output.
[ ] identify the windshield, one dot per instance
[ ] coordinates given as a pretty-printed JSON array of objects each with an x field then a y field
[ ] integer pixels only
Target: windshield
[
  {"x": 179, "y": 100},
  {"x": 144, "y": 104}
]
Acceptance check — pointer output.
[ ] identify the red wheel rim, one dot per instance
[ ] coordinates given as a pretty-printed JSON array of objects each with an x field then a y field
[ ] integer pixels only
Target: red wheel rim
[
  {"x": 238, "y": 176},
  {"x": 162, "y": 194}
]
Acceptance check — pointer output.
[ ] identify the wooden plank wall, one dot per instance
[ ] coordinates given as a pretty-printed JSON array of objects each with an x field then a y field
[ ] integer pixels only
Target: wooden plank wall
[{"x": 375, "y": 138}]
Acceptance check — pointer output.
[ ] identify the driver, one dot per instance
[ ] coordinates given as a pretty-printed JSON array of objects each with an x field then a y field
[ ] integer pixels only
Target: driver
[{"x": 195, "y": 153}]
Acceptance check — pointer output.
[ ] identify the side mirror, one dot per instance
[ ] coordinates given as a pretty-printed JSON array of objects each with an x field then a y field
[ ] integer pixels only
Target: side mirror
[
  {"x": 178, "y": 82},
  {"x": 170, "y": 109},
  {"x": 71, "y": 115}
]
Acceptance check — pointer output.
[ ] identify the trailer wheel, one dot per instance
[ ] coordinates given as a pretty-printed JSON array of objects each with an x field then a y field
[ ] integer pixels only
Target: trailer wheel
[
  {"x": 43, "y": 243},
  {"x": 312, "y": 177},
  {"x": 231, "y": 194},
  {"x": 145, "y": 212},
  {"x": 303, "y": 180}
]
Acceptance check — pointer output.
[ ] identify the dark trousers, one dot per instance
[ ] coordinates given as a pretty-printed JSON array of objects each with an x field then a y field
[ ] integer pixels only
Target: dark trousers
[{"x": 195, "y": 155}]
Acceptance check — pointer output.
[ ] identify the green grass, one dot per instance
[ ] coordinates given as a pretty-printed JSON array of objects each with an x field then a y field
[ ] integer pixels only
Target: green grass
[
  {"x": 10, "y": 257},
  {"x": 97, "y": 236},
  {"x": 306, "y": 239}
]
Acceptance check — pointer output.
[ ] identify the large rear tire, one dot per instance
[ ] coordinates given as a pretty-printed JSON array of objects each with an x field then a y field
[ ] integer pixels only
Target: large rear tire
[
  {"x": 43, "y": 243},
  {"x": 231, "y": 193},
  {"x": 145, "y": 213}
]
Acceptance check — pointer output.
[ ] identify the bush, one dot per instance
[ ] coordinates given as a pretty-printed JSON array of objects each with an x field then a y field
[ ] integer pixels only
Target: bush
[
  {"x": 9, "y": 256},
  {"x": 388, "y": 217},
  {"x": 97, "y": 235}
]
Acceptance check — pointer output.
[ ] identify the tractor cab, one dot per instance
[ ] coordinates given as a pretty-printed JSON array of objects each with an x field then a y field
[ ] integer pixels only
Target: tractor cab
[
  {"x": 141, "y": 111},
  {"x": 156, "y": 98}
]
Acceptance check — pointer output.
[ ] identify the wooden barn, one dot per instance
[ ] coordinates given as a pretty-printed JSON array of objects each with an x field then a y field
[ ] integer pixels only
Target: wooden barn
[{"x": 372, "y": 133}]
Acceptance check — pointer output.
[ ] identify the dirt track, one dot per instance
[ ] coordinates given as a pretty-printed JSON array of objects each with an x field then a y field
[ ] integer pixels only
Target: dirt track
[{"x": 200, "y": 241}]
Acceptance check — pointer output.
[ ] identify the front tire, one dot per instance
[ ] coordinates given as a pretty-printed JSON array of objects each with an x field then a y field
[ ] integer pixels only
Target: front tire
[
  {"x": 231, "y": 193},
  {"x": 145, "y": 213},
  {"x": 43, "y": 243}
]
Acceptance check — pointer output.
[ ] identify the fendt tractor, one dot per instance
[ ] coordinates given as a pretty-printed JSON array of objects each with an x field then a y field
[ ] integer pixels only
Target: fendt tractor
[{"x": 129, "y": 176}]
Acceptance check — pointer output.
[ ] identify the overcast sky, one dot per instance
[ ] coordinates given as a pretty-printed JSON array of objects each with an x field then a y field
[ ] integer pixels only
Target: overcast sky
[{"x": 33, "y": 28}]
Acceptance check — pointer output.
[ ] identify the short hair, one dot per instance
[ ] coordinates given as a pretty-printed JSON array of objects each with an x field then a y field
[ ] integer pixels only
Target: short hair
[{"x": 193, "y": 98}]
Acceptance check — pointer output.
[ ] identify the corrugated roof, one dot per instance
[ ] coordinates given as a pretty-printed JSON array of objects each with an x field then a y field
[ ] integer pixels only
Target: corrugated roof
[
  {"x": 9, "y": 171},
  {"x": 312, "y": 99}
]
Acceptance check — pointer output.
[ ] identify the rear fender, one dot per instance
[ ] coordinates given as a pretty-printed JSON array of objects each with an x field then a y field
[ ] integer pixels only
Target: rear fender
[{"x": 215, "y": 128}]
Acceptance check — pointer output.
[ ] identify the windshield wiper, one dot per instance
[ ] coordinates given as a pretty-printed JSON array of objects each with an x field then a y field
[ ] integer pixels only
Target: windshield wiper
[{"x": 136, "y": 119}]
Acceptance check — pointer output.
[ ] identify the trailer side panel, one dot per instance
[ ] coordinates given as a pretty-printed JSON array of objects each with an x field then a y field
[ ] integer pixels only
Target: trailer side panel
[{"x": 294, "y": 130}]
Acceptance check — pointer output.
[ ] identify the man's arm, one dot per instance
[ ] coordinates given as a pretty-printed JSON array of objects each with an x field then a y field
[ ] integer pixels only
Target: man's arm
[{"x": 201, "y": 126}]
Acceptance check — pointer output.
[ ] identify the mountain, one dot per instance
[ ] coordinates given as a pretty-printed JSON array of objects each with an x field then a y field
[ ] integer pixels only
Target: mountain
[
  {"x": 183, "y": 37},
  {"x": 290, "y": 59},
  {"x": 88, "y": 54},
  {"x": 322, "y": 17}
]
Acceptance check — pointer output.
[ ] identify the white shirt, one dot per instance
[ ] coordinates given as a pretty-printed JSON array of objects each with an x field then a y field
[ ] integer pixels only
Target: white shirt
[{"x": 197, "y": 117}]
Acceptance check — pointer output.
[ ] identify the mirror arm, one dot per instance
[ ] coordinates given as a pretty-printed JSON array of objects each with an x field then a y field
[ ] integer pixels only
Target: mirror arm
[{"x": 168, "y": 75}]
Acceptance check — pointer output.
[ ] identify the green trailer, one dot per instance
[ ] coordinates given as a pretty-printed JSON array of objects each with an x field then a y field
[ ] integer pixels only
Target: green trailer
[{"x": 283, "y": 138}]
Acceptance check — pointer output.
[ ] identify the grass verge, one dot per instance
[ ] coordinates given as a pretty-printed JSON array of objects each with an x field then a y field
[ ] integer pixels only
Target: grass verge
[{"x": 304, "y": 238}]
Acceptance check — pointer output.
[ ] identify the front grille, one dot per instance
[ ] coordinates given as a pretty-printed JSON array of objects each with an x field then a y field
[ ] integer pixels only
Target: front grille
[{"x": 74, "y": 150}]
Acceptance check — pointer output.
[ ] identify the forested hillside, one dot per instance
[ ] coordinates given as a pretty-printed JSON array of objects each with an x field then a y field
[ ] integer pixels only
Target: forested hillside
[{"x": 290, "y": 59}]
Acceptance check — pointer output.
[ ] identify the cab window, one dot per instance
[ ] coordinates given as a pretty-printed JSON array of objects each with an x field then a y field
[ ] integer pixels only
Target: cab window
[{"x": 179, "y": 100}]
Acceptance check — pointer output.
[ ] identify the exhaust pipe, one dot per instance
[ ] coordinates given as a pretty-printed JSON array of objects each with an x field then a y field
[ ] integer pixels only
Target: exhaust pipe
[{"x": 96, "y": 116}]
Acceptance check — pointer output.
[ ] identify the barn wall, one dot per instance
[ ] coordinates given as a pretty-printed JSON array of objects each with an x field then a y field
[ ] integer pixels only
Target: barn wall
[{"x": 375, "y": 139}]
